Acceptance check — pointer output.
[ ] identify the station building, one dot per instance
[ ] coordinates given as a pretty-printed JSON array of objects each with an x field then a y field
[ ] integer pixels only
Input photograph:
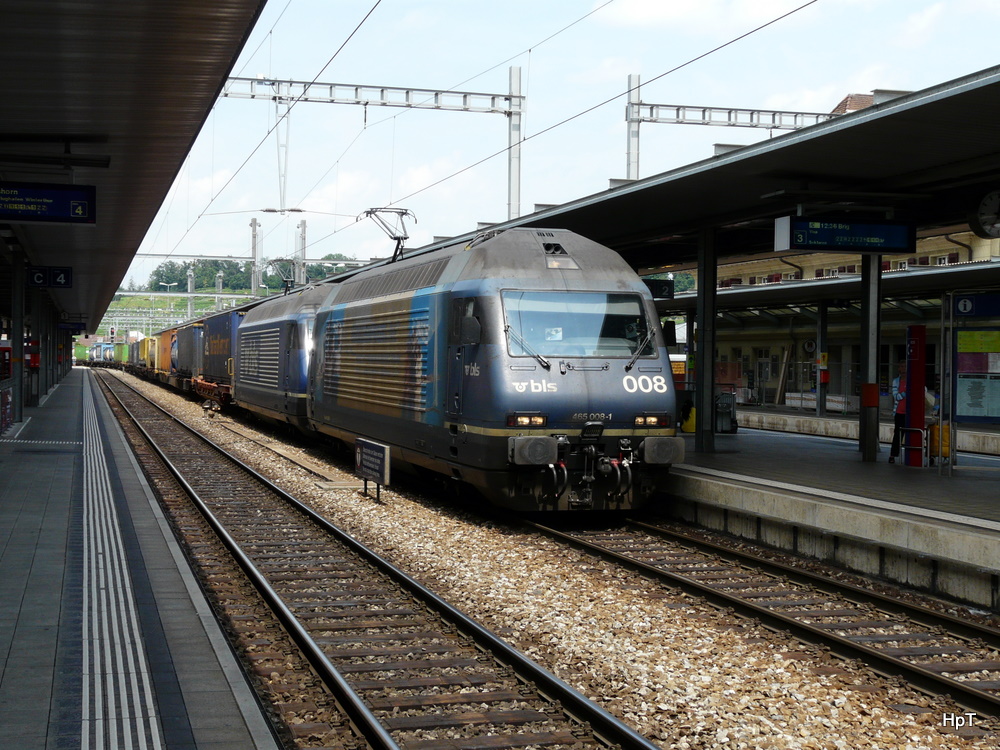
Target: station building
[{"x": 767, "y": 351}]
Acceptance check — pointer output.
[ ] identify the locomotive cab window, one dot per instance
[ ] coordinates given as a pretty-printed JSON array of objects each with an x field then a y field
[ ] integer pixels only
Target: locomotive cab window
[
  {"x": 465, "y": 327},
  {"x": 581, "y": 324}
]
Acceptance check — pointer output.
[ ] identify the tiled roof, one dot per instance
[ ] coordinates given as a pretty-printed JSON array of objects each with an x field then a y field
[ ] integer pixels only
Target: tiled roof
[{"x": 853, "y": 102}]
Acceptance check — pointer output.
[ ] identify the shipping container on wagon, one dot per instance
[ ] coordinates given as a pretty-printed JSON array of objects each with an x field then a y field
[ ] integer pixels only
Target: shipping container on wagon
[
  {"x": 166, "y": 352},
  {"x": 147, "y": 352},
  {"x": 189, "y": 350},
  {"x": 219, "y": 346}
]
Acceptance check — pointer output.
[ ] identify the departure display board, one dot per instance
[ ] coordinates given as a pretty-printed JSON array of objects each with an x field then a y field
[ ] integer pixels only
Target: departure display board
[
  {"x": 977, "y": 375},
  {"x": 836, "y": 235},
  {"x": 48, "y": 202}
]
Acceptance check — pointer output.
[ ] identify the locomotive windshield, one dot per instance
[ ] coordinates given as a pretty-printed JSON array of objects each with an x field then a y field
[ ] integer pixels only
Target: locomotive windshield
[{"x": 576, "y": 324}]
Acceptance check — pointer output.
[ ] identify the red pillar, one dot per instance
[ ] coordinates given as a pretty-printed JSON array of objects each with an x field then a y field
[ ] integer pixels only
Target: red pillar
[{"x": 916, "y": 367}]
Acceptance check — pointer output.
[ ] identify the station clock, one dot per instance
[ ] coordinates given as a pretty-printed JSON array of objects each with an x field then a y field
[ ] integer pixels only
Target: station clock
[{"x": 985, "y": 217}]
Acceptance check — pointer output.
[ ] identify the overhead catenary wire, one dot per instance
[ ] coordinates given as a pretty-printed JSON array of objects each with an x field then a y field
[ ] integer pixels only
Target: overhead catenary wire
[
  {"x": 592, "y": 108},
  {"x": 333, "y": 57},
  {"x": 605, "y": 102},
  {"x": 392, "y": 118},
  {"x": 267, "y": 134},
  {"x": 204, "y": 212}
]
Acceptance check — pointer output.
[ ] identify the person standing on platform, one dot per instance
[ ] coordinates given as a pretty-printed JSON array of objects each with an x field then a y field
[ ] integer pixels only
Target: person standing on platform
[{"x": 898, "y": 412}]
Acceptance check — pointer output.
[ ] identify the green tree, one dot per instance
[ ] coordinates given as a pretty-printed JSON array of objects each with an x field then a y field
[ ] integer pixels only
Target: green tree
[
  {"x": 683, "y": 282},
  {"x": 315, "y": 271},
  {"x": 235, "y": 275},
  {"x": 169, "y": 272}
]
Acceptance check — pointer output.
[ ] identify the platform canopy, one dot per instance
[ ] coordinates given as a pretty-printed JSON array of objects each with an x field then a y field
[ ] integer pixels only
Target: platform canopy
[
  {"x": 110, "y": 94},
  {"x": 928, "y": 157}
]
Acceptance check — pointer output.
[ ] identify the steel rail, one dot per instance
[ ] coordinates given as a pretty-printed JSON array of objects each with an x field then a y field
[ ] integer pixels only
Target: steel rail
[
  {"x": 969, "y": 697},
  {"x": 605, "y": 726},
  {"x": 923, "y": 615},
  {"x": 366, "y": 721}
]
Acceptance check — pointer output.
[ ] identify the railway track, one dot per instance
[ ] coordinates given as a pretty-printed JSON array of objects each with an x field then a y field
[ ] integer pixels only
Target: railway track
[
  {"x": 934, "y": 652},
  {"x": 404, "y": 667}
]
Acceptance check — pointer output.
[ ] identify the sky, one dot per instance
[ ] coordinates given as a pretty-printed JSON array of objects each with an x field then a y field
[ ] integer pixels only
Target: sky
[{"x": 449, "y": 169}]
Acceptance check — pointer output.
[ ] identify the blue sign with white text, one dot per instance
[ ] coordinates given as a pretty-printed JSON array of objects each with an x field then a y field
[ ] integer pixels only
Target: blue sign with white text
[{"x": 48, "y": 202}]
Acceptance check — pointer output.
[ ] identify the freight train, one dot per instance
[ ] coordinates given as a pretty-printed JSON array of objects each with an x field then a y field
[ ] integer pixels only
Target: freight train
[{"x": 528, "y": 363}]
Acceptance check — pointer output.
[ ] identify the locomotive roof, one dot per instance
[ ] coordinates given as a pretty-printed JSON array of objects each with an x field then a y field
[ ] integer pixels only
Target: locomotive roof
[
  {"x": 520, "y": 253},
  {"x": 296, "y": 301},
  {"x": 525, "y": 253}
]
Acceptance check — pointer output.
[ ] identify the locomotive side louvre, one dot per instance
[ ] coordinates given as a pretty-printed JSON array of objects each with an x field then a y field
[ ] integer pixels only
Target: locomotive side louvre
[
  {"x": 258, "y": 359},
  {"x": 375, "y": 373},
  {"x": 377, "y": 358}
]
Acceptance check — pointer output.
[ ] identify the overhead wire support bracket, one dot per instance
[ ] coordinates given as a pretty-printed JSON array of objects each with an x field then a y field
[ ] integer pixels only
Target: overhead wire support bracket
[
  {"x": 288, "y": 93},
  {"x": 637, "y": 111}
]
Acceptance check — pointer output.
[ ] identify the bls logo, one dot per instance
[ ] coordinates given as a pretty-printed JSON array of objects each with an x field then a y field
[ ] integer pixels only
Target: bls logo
[
  {"x": 535, "y": 387},
  {"x": 472, "y": 370}
]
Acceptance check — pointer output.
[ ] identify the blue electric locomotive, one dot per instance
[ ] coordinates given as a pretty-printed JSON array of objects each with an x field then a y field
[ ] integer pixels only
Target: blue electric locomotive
[
  {"x": 274, "y": 344},
  {"x": 528, "y": 364}
]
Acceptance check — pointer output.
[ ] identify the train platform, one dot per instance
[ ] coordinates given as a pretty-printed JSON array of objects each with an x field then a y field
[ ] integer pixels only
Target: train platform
[
  {"x": 106, "y": 640},
  {"x": 812, "y": 494}
]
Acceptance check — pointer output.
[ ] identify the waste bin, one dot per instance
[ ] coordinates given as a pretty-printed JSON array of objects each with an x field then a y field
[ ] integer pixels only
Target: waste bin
[
  {"x": 688, "y": 419},
  {"x": 944, "y": 449}
]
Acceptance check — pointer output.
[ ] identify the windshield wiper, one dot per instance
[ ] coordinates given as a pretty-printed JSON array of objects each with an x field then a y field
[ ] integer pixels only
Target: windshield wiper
[
  {"x": 524, "y": 345},
  {"x": 638, "y": 351}
]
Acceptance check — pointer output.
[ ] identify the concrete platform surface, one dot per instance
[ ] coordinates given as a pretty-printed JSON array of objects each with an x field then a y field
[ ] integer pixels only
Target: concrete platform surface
[{"x": 106, "y": 640}]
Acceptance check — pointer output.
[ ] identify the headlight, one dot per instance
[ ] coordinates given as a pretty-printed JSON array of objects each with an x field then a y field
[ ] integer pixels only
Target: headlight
[
  {"x": 526, "y": 420},
  {"x": 653, "y": 420}
]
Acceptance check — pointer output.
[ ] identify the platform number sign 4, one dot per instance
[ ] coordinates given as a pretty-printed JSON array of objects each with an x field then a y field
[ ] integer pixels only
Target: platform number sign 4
[
  {"x": 61, "y": 277},
  {"x": 57, "y": 277}
]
